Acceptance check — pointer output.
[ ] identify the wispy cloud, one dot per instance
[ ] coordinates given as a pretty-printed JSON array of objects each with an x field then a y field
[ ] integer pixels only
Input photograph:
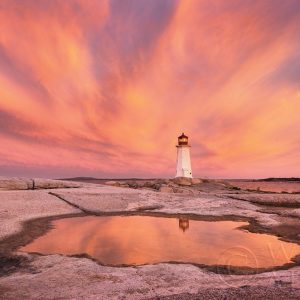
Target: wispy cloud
[{"x": 103, "y": 88}]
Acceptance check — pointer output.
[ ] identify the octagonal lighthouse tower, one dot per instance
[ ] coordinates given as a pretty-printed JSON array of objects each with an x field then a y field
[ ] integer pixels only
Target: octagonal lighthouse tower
[{"x": 184, "y": 168}]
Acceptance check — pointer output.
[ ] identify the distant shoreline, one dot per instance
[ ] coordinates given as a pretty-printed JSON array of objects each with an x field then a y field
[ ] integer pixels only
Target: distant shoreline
[{"x": 270, "y": 179}]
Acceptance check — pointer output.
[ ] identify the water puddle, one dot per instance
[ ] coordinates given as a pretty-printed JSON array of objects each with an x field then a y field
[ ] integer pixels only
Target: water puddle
[{"x": 136, "y": 240}]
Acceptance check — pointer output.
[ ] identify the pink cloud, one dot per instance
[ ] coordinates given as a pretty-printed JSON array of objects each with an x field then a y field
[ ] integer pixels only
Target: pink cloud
[{"x": 103, "y": 88}]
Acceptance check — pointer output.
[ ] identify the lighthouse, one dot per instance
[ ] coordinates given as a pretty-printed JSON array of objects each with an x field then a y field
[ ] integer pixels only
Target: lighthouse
[{"x": 184, "y": 168}]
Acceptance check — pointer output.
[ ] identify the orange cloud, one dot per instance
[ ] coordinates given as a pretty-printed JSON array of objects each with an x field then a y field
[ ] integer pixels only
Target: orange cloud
[{"x": 103, "y": 88}]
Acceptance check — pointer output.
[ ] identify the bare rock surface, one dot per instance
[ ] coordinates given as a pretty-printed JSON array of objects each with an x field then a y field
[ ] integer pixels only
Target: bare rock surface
[
  {"x": 271, "y": 199},
  {"x": 196, "y": 181},
  {"x": 245, "y": 292},
  {"x": 101, "y": 199},
  {"x": 183, "y": 181},
  {"x": 58, "y": 277},
  {"x": 19, "y": 206},
  {"x": 166, "y": 189},
  {"x": 54, "y": 184},
  {"x": 282, "y": 211},
  {"x": 34, "y": 183},
  {"x": 277, "y": 187},
  {"x": 63, "y": 277},
  {"x": 15, "y": 183},
  {"x": 111, "y": 199},
  {"x": 112, "y": 183}
]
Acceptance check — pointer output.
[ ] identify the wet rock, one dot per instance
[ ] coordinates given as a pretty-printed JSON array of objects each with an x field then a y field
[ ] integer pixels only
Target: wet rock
[
  {"x": 166, "y": 189},
  {"x": 11, "y": 263}
]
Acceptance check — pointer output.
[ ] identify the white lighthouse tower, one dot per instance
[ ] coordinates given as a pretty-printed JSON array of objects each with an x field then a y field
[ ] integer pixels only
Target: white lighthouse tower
[{"x": 184, "y": 168}]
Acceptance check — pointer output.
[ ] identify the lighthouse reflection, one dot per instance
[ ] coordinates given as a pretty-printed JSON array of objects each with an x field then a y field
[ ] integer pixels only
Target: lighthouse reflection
[
  {"x": 138, "y": 240},
  {"x": 184, "y": 224}
]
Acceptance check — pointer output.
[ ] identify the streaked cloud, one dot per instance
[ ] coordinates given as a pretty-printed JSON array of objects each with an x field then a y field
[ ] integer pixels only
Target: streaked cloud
[{"x": 103, "y": 88}]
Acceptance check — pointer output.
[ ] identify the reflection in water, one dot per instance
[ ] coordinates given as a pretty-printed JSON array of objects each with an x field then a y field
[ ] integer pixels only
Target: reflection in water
[
  {"x": 140, "y": 240},
  {"x": 183, "y": 224}
]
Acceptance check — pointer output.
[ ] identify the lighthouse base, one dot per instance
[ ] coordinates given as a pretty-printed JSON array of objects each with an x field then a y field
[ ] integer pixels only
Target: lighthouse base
[
  {"x": 185, "y": 174},
  {"x": 184, "y": 168}
]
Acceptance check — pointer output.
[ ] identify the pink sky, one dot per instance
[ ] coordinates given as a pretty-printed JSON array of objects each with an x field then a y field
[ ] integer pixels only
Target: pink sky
[{"x": 103, "y": 88}]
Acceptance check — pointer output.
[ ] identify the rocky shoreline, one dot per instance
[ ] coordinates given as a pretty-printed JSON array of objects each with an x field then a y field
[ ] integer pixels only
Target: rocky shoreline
[{"x": 27, "y": 207}]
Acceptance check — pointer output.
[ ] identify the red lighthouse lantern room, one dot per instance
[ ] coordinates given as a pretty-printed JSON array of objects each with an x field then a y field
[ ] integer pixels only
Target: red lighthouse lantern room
[{"x": 183, "y": 140}]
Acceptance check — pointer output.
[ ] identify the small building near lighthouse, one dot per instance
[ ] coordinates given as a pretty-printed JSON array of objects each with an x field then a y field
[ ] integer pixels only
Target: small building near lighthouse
[{"x": 184, "y": 168}]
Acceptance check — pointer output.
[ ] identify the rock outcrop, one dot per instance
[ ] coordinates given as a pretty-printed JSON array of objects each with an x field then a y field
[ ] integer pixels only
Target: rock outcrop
[
  {"x": 15, "y": 183},
  {"x": 161, "y": 185},
  {"x": 53, "y": 184},
  {"x": 65, "y": 277},
  {"x": 196, "y": 181},
  {"x": 35, "y": 183},
  {"x": 112, "y": 183},
  {"x": 183, "y": 181},
  {"x": 166, "y": 189}
]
